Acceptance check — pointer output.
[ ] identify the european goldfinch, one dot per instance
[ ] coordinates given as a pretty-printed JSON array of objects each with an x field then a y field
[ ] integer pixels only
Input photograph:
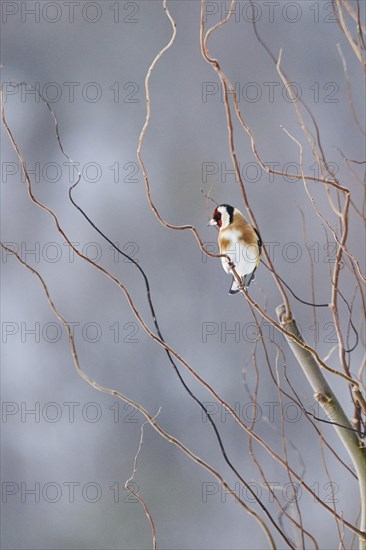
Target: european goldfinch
[{"x": 238, "y": 240}]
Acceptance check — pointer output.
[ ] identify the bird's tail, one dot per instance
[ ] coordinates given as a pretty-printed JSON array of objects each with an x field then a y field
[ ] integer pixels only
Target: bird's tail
[
  {"x": 234, "y": 289},
  {"x": 247, "y": 279}
]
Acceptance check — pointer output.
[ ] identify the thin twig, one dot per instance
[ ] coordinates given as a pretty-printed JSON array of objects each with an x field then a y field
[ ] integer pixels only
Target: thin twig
[{"x": 131, "y": 478}]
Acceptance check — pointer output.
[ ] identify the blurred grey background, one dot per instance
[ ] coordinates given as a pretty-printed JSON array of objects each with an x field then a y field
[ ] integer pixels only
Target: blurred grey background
[{"x": 76, "y": 450}]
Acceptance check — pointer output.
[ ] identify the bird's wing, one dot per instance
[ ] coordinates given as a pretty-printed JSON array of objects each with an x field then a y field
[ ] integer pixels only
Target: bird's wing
[
  {"x": 251, "y": 236},
  {"x": 259, "y": 243}
]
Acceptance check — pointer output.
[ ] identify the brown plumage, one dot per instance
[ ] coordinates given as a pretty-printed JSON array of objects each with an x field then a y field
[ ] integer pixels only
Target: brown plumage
[{"x": 246, "y": 233}]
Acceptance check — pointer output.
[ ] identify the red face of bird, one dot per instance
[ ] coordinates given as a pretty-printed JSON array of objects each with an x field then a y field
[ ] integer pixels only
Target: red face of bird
[
  {"x": 216, "y": 218},
  {"x": 222, "y": 216}
]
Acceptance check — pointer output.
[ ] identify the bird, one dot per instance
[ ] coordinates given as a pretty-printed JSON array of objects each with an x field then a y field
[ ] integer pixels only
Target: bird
[{"x": 240, "y": 241}]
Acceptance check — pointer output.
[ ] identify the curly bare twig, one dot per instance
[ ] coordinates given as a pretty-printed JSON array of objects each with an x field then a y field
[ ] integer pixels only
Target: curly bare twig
[{"x": 137, "y": 406}]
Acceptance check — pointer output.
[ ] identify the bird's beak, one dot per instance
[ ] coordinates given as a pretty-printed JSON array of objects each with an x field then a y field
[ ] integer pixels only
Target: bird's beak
[{"x": 212, "y": 222}]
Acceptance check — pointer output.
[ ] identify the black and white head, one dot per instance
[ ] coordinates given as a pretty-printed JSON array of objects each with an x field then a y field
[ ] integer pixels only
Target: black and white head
[{"x": 223, "y": 216}]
